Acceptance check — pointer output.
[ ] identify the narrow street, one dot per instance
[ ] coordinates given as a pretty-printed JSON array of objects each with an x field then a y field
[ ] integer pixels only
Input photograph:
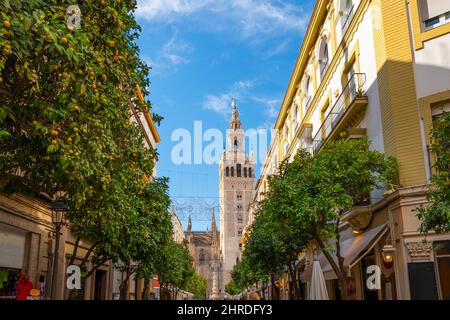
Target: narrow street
[{"x": 224, "y": 151}]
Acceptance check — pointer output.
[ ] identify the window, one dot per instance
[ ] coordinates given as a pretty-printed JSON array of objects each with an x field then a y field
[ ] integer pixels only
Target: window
[
  {"x": 202, "y": 257},
  {"x": 431, "y": 22},
  {"x": 245, "y": 172},
  {"x": 296, "y": 116},
  {"x": 308, "y": 90},
  {"x": 434, "y": 13},
  {"x": 232, "y": 171},
  {"x": 235, "y": 144},
  {"x": 328, "y": 120},
  {"x": 323, "y": 55},
  {"x": 239, "y": 218},
  {"x": 227, "y": 171},
  {"x": 250, "y": 172},
  {"x": 238, "y": 170},
  {"x": 347, "y": 13},
  {"x": 240, "y": 231}
]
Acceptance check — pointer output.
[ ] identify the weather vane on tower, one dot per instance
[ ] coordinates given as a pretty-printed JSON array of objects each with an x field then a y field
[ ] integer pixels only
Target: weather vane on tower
[{"x": 234, "y": 103}]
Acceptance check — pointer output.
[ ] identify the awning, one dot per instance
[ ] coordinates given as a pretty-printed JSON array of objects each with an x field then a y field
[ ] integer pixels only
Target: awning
[{"x": 353, "y": 250}]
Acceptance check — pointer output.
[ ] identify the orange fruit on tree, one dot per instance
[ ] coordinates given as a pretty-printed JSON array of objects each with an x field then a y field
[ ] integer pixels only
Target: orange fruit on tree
[
  {"x": 54, "y": 142},
  {"x": 6, "y": 24},
  {"x": 54, "y": 133},
  {"x": 75, "y": 130},
  {"x": 64, "y": 40}
]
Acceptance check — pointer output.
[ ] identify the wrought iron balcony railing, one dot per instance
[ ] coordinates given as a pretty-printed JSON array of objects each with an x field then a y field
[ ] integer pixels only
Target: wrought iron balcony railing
[{"x": 354, "y": 88}]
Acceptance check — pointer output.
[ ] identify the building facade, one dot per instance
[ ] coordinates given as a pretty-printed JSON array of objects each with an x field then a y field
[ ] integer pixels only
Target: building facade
[
  {"x": 236, "y": 183},
  {"x": 204, "y": 248},
  {"x": 376, "y": 69}
]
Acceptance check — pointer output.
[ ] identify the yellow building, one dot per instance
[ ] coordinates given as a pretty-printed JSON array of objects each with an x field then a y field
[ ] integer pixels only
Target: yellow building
[{"x": 381, "y": 69}]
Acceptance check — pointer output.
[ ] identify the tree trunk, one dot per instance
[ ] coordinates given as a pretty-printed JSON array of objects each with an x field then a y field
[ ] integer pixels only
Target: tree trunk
[
  {"x": 124, "y": 285},
  {"x": 340, "y": 273},
  {"x": 292, "y": 273},
  {"x": 145, "y": 293},
  {"x": 272, "y": 279}
]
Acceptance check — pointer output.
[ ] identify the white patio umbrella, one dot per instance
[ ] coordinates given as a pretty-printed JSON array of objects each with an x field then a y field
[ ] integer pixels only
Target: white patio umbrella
[{"x": 318, "y": 289}]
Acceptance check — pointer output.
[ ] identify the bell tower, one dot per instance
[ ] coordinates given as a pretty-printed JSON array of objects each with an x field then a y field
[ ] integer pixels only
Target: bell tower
[{"x": 236, "y": 178}]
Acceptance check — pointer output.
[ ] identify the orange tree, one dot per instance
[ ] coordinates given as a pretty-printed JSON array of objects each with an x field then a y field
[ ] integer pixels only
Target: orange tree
[
  {"x": 435, "y": 216},
  {"x": 306, "y": 202},
  {"x": 65, "y": 125}
]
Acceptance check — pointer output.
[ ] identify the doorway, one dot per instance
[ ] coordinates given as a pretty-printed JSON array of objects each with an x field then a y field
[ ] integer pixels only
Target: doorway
[
  {"x": 442, "y": 253},
  {"x": 100, "y": 285}
]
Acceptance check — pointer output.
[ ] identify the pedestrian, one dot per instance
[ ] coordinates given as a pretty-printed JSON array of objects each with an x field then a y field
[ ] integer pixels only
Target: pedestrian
[{"x": 24, "y": 287}]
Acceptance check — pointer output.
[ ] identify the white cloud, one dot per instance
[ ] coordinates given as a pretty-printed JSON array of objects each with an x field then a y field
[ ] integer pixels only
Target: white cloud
[
  {"x": 221, "y": 103},
  {"x": 271, "y": 105},
  {"x": 250, "y": 17},
  {"x": 173, "y": 53},
  {"x": 277, "y": 49}
]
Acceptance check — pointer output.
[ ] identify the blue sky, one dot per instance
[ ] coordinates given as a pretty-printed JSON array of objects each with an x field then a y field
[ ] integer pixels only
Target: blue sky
[{"x": 203, "y": 54}]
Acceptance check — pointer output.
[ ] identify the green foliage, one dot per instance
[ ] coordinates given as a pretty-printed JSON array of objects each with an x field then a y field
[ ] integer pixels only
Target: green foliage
[
  {"x": 306, "y": 200},
  {"x": 65, "y": 123},
  {"x": 435, "y": 216},
  {"x": 243, "y": 275},
  {"x": 196, "y": 285},
  {"x": 175, "y": 266}
]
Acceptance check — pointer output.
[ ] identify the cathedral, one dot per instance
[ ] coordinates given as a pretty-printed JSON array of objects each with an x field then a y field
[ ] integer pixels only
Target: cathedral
[
  {"x": 205, "y": 251},
  {"x": 216, "y": 252}
]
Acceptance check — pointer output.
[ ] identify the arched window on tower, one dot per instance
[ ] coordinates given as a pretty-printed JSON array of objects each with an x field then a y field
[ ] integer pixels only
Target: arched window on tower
[
  {"x": 250, "y": 172},
  {"x": 245, "y": 172},
  {"x": 235, "y": 144},
  {"x": 232, "y": 171},
  {"x": 227, "y": 171}
]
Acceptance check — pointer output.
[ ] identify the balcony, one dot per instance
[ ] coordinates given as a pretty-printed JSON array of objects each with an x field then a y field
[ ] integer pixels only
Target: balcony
[{"x": 347, "y": 111}]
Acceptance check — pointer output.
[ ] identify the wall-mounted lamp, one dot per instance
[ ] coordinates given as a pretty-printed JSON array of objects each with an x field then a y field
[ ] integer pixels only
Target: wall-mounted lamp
[{"x": 388, "y": 252}]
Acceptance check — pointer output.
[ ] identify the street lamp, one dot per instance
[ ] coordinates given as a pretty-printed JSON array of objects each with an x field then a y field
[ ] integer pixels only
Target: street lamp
[{"x": 59, "y": 209}]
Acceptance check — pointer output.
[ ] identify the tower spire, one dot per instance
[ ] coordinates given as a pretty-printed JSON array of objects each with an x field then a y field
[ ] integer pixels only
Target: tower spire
[
  {"x": 189, "y": 227},
  {"x": 235, "y": 123},
  {"x": 213, "y": 222}
]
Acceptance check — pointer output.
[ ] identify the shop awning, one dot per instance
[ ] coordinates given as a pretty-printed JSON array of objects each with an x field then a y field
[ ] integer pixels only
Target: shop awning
[{"x": 353, "y": 249}]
